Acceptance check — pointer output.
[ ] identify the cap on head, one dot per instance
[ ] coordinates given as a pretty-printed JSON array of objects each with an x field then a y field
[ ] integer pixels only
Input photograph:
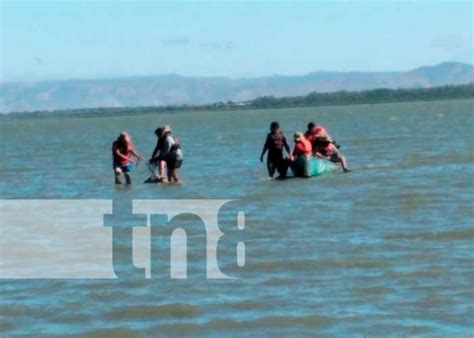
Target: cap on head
[
  {"x": 167, "y": 129},
  {"x": 311, "y": 125}
]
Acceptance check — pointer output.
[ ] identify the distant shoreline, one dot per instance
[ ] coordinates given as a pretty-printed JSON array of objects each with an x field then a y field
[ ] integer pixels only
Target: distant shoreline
[{"x": 314, "y": 99}]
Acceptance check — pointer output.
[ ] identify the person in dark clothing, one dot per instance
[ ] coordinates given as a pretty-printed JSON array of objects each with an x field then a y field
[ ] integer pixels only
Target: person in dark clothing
[
  {"x": 157, "y": 160},
  {"x": 167, "y": 155},
  {"x": 275, "y": 144},
  {"x": 159, "y": 143}
]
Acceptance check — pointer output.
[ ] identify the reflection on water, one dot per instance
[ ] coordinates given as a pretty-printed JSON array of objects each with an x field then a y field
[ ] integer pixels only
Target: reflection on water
[{"x": 386, "y": 248}]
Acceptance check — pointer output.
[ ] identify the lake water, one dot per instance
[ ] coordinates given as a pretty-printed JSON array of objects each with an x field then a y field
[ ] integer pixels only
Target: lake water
[{"x": 384, "y": 250}]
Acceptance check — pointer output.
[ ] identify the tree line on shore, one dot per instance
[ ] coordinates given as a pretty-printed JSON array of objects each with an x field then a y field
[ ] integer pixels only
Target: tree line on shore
[
  {"x": 314, "y": 99},
  {"x": 367, "y": 97}
]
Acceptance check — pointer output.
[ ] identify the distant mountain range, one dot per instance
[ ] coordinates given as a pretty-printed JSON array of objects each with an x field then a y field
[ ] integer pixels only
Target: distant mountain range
[{"x": 163, "y": 90}]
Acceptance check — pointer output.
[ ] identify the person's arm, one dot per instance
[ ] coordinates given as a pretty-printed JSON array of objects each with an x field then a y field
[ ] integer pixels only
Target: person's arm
[
  {"x": 155, "y": 151},
  {"x": 264, "y": 150},
  {"x": 321, "y": 156},
  {"x": 294, "y": 154},
  {"x": 287, "y": 147},
  {"x": 134, "y": 153},
  {"x": 119, "y": 154}
]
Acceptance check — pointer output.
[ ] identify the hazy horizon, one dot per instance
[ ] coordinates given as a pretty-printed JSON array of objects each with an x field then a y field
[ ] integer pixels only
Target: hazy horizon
[{"x": 118, "y": 77}]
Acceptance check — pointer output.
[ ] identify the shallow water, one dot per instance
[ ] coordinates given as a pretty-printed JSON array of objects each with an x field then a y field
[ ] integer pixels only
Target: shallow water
[{"x": 384, "y": 250}]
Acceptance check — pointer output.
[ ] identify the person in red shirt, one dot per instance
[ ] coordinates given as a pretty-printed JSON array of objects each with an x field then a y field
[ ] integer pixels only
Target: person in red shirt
[{"x": 122, "y": 152}]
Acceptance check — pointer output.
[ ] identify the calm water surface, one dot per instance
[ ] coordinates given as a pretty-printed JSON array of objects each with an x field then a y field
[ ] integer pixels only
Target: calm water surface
[{"x": 384, "y": 250}]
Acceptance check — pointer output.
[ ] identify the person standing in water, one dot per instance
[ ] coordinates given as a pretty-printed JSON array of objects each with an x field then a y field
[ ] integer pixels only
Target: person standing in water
[
  {"x": 167, "y": 153},
  {"x": 274, "y": 144},
  {"x": 174, "y": 161},
  {"x": 122, "y": 152},
  {"x": 156, "y": 157}
]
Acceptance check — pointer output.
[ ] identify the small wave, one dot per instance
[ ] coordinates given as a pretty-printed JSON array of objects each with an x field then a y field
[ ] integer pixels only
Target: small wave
[
  {"x": 304, "y": 264},
  {"x": 272, "y": 321},
  {"x": 177, "y": 329},
  {"x": 6, "y": 325},
  {"x": 374, "y": 291},
  {"x": 462, "y": 234},
  {"x": 417, "y": 161},
  {"x": 150, "y": 311},
  {"x": 311, "y": 321},
  {"x": 112, "y": 332},
  {"x": 279, "y": 282},
  {"x": 416, "y": 275},
  {"x": 26, "y": 311}
]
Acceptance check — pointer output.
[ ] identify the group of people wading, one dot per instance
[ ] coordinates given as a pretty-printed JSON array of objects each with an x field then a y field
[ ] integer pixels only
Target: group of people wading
[
  {"x": 314, "y": 142},
  {"x": 167, "y": 156},
  {"x": 163, "y": 164}
]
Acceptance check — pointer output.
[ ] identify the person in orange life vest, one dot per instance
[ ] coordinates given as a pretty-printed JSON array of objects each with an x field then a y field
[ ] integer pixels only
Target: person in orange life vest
[
  {"x": 328, "y": 151},
  {"x": 122, "y": 152},
  {"x": 275, "y": 143},
  {"x": 320, "y": 130},
  {"x": 316, "y": 129},
  {"x": 303, "y": 146}
]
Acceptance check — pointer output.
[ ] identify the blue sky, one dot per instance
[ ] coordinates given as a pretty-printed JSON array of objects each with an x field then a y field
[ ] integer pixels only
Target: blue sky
[{"x": 59, "y": 40}]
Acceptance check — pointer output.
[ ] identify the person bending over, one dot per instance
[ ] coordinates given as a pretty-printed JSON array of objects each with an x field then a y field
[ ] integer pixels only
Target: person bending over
[
  {"x": 162, "y": 151},
  {"x": 122, "y": 152},
  {"x": 156, "y": 157},
  {"x": 328, "y": 151},
  {"x": 319, "y": 131}
]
